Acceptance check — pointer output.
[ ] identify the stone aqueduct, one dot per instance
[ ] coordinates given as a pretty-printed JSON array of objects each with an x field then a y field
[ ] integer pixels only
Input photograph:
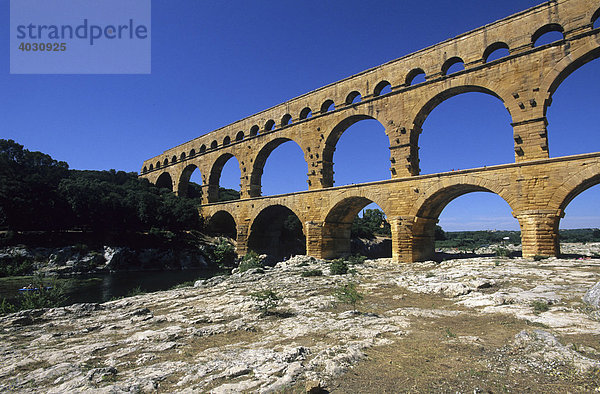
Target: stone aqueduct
[{"x": 536, "y": 187}]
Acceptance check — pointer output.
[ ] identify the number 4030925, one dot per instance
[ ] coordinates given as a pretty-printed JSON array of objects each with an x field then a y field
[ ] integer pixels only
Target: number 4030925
[{"x": 43, "y": 47}]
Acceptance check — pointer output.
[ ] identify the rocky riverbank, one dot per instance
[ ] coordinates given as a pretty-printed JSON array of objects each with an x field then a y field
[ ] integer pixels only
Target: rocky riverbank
[{"x": 461, "y": 325}]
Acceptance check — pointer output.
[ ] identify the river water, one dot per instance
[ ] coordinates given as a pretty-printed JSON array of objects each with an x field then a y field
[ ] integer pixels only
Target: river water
[{"x": 106, "y": 286}]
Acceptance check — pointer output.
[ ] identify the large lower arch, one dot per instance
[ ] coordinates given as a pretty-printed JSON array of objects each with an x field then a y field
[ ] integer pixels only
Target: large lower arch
[
  {"x": 165, "y": 181},
  {"x": 278, "y": 232},
  {"x": 183, "y": 188},
  {"x": 337, "y": 226},
  {"x": 426, "y": 211},
  {"x": 215, "y": 176},
  {"x": 331, "y": 142},
  {"x": 260, "y": 161},
  {"x": 222, "y": 224}
]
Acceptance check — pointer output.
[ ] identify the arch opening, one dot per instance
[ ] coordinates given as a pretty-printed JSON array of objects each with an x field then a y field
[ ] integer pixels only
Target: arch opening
[
  {"x": 193, "y": 152},
  {"x": 453, "y": 65},
  {"x": 463, "y": 128},
  {"x": 182, "y": 156},
  {"x": 166, "y": 162},
  {"x": 278, "y": 232},
  {"x": 173, "y": 159},
  {"x": 383, "y": 87},
  {"x": 222, "y": 224},
  {"x": 286, "y": 120},
  {"x": 270, "y": 125},
  {"x": 596, "y": 19},
  {"x": 190, "y": 183},
  {"x": 224, "y": 179},
  {"x": 327, "y": 106},
  {"x": 213, "y": 145},
  {"x": 165, "y": 181},
  {"x": 356, "y": 136},
  {"x": 151, "y": 167},
  {"x": 353, "y": 97},
  {"x": 239, "y": 136},
  {"x": 203, "y": 148},
  {"x": 356, "y": 225},
  {"x": 226, "y": 140},
  {"x": 254, "y": 130},
  {"x": 145, "y": 170},
  {"x": 547, "y": 34},
  {"x": 158, "y": 164},
  {"x": 581, "y": 221},
  {"x": 496, "y": 51},
  {"x": 283, "y": 162},
  {"x": 415, "y": 77},
  {"x": 305, "y": 113},
  {"x": 573, "y": 117},
  {"x": 464, "y": 218}
]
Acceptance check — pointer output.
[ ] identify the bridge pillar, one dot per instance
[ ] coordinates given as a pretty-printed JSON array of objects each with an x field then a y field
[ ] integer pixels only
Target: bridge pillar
[
  {"x": 314, "y": 239},
  {"x": 531, "y": 138},
  {"x": 413, "y": 238},
  {"x": 539, "y": 232},
  {"x": 404, "y": 153},
  {"x": 241, "y": 247}
]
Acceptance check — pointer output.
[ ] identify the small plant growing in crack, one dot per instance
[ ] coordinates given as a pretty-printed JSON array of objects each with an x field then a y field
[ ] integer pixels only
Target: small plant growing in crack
[
  {"x": 266, "y": 301},
  {"x": 348, "y": 294}
]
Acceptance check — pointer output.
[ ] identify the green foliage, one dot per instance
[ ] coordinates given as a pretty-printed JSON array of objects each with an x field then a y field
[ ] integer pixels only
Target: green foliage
[
  {"x": 348, "y": 294},
  {"x": 135, "y": 291},
  {"x": 315, "y": 272},
  {"x": 356, "y": 259},
  {"x": 471, "y": 240},
  {"x": 372, "y": 223},
  {"x": 539, "y": 306},
  {"x": 47, "y": 294},
  {"x": 249, "y": 261},
  {"x": 266, "y": 301},
  {"x": 40, "y": 193},
  {"x": 439, "y": 234},
  {"x": 502, "y": 252},
  {"x": 224, "y": 252},
  {"x": 338, "y": 267},
  {"x": 16, "y": 266},
  {"x": 228, "y": 194}
]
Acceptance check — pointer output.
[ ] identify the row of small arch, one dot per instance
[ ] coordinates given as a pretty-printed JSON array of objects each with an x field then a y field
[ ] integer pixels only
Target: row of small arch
[{"x": 416, "y": 76}]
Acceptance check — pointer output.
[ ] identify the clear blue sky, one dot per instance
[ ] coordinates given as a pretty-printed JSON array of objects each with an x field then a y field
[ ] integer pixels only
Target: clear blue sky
[{"x": 214, "y": 62}]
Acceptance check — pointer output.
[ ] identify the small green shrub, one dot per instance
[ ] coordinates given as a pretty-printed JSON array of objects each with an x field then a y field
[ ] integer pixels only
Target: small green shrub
[
  {"x": 347, "y": 294},
  {"x": 502, "y": 252},
  {"x": 357, "y": 259},
  {"x": 46, "y": 295},
  {"x": 7, "y": 307},
  {"x": 449, "y": 333},
  {"x": 338, "y": 267},
  {"x": 266, "y": 301},
  {"x": 538, "y": 257},
  {"x": 315, "y": 272},
  {"x": 224, "y": 252},
  {"x": 540, "y": 306},
  {"x": 249, "y": 261}
]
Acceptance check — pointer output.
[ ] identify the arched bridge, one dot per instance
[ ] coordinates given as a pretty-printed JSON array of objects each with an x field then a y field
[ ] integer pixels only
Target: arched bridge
[{"x": 536, "y": 187}]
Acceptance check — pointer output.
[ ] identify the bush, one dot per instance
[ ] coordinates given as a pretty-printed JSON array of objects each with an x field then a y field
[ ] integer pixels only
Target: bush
[
  {"x": 348, "y": 294},
  {"x": 502, "y": 252},
  {"x": 266, "y": 301},
  {"x": 315, "y": 272},
  {"x": 45, "y": 295},
  {"x": 249, "y": 261},
  {"x": 224, "y": 252},
  {"x": 338, "y": 267},
  {"x": 356, "y": 259},
  {"x": 539, "y": 306}
]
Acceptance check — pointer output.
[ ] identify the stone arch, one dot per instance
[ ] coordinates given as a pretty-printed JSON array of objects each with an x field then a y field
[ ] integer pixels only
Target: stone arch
[
  {"x": 254, "y": 130},
  {"x": 326, "y": 106},
  {"x": 158, "y": 164},
  {"x": 563, "y": 69},
  {"x": 573, "y": 186},
  {"x": 595, "y": 18},
  {"x": 239, "y": 136},
  {"x": 352, "y": 96},
  {"x": 497, "y": 46},
  {"x": 277, "y": 230},
  {"x": 214, "y": 144},
  {"x": 215, "y": 175},
  {"x": 226, "y": 140},
  {"x": 193, "y": 152},
  {"x": 305, "y": 113},
  {"x": 184, "y": 179},
  {"x": 451, "y": 62},
  {"x": 412, "y": 74},
  {"x": 151, "y": 167},
  {"x": 286, "y": 120},
  {"x": 164, "y": 181},
  {"x": 270, "y": 125},
  {"x": 182, "y": 156},
  {"x": 549, "y": 28},
  {"x": 260, "y": 161},
  {"x": 337, "y": 224},
  {"x": 331, "y": 141},
  {"x": 174, "y": 159},
  {"x": 380, "y": 86},
  {"x": 145, "y": 169},
  {"x": 202, "y": 148},
  {"x": 166, "y": 161},
  {"x": 439, "y": 98},
  {"x": 222, "y": 223}
]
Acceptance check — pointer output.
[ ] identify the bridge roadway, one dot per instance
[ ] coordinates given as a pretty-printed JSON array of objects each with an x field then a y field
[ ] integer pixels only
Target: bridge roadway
[{"x": 537, "y": 191}]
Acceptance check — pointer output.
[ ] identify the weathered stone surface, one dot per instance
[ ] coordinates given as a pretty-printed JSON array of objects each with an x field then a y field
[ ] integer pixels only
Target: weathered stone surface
[
  {"x": 212, "y": 337},
  {"x": 592, "y": 297}
]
